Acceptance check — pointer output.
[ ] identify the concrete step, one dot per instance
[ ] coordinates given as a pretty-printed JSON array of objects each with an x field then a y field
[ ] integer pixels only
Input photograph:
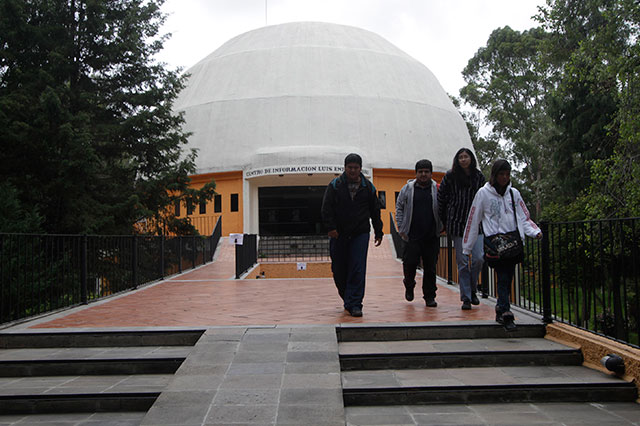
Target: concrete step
[
  {"x": 364, "y": 333},
  {"x": 411, "y": 354},
  {"x": 71, "y": 394},
  {"x": 91, "y": 361},
  {"x": 483, "y": 385},
  {"x": 65, "y": 339},
  {"x": 543, "y": 413},
  {"x": 120, "y": 418}
]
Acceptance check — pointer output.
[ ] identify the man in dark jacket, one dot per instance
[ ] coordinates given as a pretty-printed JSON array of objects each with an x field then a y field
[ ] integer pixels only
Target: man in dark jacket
[{"x": 350, "y": 202}]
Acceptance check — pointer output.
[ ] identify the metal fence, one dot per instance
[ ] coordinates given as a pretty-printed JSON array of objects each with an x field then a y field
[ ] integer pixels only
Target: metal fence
[
  {"x": 293, "y": 248},
  {"x": 44, "y": 273},
  {"x": 246, "y": 254},
  {"x": 585, "y": 274}
]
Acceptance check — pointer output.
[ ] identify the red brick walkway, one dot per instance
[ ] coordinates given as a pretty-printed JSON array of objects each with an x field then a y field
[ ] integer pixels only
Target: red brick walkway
[{"x": 209, "y": 296}]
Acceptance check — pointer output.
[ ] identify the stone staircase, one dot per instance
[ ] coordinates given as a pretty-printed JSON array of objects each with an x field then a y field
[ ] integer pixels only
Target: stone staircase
[
  {"x": 463, "y": 364},
  {"x": 80, "y": 372}
]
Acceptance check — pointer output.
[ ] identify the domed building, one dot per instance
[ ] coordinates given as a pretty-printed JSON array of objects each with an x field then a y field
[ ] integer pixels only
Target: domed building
[{"x": 274, "y": 111}]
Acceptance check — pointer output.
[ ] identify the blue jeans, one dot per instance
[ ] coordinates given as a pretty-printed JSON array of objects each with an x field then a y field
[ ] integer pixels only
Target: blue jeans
[
  {"x": 349, "y": 267},
  {"x": 468, "y": 277},
  {"x": 505, "y": 272}
]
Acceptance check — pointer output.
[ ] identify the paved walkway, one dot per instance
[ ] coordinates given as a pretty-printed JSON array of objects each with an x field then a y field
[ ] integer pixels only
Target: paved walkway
[
  {"x": 210, "y": 296},
  {"x": 279, "y": 364}
]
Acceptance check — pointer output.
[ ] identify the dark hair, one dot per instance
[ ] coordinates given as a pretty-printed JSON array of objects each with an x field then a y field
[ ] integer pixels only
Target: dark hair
[
  {"x": 497, "y": 167},
  {"x": 353, "y": 158},
  {"x": 458, "y": 172},
  {"x": 424, "y": 164}
]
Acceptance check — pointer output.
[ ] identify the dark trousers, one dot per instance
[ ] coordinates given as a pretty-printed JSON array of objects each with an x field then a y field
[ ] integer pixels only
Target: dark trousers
[
  {"x": 505, "y": 272},
  {"x": 349, "y": 267},
  {"x": 426, "y": 248}
]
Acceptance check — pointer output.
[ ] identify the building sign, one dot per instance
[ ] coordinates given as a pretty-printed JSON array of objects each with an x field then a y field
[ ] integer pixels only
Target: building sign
[{"x": 297, "y": 169}]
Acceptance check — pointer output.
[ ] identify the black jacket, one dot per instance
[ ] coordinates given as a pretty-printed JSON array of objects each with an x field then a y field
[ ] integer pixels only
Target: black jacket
[
  {"x": 454, "y": 201},
  {"x": 351, "y": 217}
]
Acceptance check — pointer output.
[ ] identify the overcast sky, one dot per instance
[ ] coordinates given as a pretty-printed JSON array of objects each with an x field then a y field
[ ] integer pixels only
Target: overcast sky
[{"x": 442, "y": 34}]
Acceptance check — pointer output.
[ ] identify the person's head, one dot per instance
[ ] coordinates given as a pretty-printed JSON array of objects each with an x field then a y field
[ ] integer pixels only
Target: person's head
[
  {"x": 464, "y": 161},
  {"x": 500, "y": 174},
  {"x": 424, "y": 169},
  {"x": 353, "y": 166}
]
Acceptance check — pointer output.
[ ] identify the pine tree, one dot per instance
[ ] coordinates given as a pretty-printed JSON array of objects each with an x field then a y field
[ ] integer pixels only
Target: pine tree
[{"x": 88, "y": 135}]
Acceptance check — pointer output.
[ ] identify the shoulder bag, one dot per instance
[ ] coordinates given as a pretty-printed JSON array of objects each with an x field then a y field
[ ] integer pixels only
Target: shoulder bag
[{"x": 507, "y": 246}]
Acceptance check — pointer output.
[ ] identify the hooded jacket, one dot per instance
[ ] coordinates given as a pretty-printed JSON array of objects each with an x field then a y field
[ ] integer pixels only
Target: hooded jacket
[
  {"x": 404, "y": 207},
  {"x": 496, "y": 214},
  {"x": 351, "y": 217}
]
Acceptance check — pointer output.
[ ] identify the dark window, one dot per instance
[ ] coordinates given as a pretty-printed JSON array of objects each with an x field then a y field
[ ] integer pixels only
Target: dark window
[
  {"x": 177, "y": 206},
  {"x": 397, "y": 193},
  {"x": 203, "y": 207},
  {"x": 382, "y": 196},
  {"x": 217, "y": 203},
  {"x": 234, "y": 202},
  {"x": 190, "y": 208}
]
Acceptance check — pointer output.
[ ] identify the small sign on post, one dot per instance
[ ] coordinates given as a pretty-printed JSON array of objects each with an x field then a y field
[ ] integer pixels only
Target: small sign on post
[{"x": 236, "y": 239}]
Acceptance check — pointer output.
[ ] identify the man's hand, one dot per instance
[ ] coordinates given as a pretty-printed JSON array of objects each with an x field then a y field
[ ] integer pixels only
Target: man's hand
[
  {"x": 378, "y": 241},
  {"x": 333, "y": 233},
  {"x": 404, "y": 236}
]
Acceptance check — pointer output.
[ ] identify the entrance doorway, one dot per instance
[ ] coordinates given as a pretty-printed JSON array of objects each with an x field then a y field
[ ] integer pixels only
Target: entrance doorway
[{"x": 290, "y": 210}]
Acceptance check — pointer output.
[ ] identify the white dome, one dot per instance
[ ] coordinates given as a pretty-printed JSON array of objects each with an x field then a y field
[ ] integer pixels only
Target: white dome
[{"x": 310, "y": 93}]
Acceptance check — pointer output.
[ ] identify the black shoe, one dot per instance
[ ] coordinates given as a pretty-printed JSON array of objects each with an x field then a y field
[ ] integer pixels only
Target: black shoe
[
  {"x": 508, "y": 321},
  {"x": 474, "y": 299},
  {"x": 355, "y": 312},
  {"x": 431, "y": 303},
  {"x": 408, "y": 294},
  {"x": 499, "y": 318},
  {"x": 466, "y": 305},
  {"x": 485, "y": 295}
]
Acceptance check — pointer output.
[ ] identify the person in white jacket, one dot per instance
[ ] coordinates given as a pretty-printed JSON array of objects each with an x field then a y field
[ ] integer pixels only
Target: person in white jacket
[
  {"x": 492, "y": 206},
  {"x": 420, "y": 226}
]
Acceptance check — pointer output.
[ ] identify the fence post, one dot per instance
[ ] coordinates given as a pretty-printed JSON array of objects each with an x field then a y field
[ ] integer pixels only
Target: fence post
[
  {"x": 193, "y": 252},
  {"x": 162, "y": 256},
  {"x": 134, "y": 260},
  {"x": 83, "y": 270},
  {"x": 239, "y": 253},
  {"x": 484, "y": 278},
  {"x": 546, "y": 275},
  {"x": 180, "y": 254},
  {"x": 449, "y": 260}
]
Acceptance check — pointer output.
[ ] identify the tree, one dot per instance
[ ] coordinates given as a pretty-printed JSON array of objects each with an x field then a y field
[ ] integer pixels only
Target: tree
[
  {"x": 597, "y": 102},
  {"x": 88, "y": 135},
  {"x": 14, "y": 217},
  {"x": 488, "y": 148},
  {"x": 507, "y": 84}
]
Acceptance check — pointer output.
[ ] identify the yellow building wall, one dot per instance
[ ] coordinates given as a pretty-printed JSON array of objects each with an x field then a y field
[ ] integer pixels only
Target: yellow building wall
[
  {"x": 391, "y": 181},
  {"x": 227, "y": 183},
  {"x": 388, "y": 180}
]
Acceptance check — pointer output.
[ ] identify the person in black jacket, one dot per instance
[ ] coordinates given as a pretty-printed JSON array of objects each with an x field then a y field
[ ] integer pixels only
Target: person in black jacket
[
  {"x": 350, "y": 202},
  {"x": 455, "y": 196}
]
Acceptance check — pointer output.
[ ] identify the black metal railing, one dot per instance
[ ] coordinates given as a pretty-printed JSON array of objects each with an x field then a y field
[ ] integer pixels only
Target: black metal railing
[
  {"x": 246, "y": 254},
  {"x": 44, "y": 273},
  {"x": 585, "y": 274},
  {"x": 272, "y": 248}
]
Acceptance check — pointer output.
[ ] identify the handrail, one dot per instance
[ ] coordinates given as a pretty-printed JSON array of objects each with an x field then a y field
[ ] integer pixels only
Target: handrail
[{"x": 44, "y": 273}]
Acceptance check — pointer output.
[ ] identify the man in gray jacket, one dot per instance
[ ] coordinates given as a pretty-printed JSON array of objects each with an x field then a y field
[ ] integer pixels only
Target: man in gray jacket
[{"x": 420, "y": 226}]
